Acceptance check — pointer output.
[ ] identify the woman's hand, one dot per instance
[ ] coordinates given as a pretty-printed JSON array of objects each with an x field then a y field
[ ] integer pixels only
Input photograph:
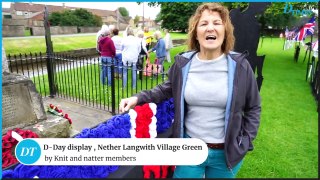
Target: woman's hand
[{"x": 128, "y": 103}]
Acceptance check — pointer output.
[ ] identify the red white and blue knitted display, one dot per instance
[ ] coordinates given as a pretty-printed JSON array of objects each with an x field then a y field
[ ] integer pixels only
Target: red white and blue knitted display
[{"x": 144, "y": 121}]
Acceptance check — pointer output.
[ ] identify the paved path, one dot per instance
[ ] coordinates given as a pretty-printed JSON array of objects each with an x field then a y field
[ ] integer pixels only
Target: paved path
[{"x": 81, "y": 116}]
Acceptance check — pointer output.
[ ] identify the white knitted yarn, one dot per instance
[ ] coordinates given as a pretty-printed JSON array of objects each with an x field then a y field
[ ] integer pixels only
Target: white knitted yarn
[
  {"x": 133, "y": 116},
  {"x": 152, "y": 126}
]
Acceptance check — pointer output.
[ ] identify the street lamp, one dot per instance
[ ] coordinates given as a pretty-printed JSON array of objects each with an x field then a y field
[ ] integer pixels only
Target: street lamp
[{"x": 142, "y": 15}]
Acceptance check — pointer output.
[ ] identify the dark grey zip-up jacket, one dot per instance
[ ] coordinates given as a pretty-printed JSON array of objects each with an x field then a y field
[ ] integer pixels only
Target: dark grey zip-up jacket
[{"x": 242, "y": 117}]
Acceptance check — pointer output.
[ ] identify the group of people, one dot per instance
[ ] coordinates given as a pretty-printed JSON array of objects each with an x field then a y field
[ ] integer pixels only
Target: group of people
[{"x": 129, "y": 51}]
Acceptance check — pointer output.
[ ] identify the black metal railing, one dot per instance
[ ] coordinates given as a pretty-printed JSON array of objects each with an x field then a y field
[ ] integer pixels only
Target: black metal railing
[
  {"x": 313, "y": 74},
  {"x": 78, "y": 79}
]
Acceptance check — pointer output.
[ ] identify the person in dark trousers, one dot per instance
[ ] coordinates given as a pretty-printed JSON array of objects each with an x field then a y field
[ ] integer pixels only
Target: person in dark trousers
[
  {"x": 117, "y": 40},
  {"x": 160, "y": 48},
  {"x": 216, "y": 97},
  {"x": 108, "y": 51},
  {"x": 143, "y": 53}
]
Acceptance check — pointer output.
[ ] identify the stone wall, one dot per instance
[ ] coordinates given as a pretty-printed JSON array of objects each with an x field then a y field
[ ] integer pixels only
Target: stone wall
[
  {"x": 89, "y": 29},
  {"x": 14, "y": 22},
  {"x": 39, "y": 30},
  {"x": 12, "y": 31},
  {"x": 37, "y": 23},
  {"x": 4, "y": 61},
  {"x": 81, "y": 52},
  {"x": 63, "y": 30},
  {"x": 178, "y": 42}
]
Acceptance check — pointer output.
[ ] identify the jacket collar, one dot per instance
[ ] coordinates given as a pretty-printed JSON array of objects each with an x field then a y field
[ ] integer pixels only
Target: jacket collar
[
  {"x": 239, "y": 57},
  {"x": 183, "y": 58}
]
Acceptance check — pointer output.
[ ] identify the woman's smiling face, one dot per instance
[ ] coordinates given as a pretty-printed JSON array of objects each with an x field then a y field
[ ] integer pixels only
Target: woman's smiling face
[{"x": 210, "y": 32}]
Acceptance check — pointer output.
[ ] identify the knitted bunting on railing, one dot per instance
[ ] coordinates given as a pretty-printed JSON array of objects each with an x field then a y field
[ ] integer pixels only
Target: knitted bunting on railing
[
  {"x": 144, "y": 121},
  {"x": 144, "y": 125}
]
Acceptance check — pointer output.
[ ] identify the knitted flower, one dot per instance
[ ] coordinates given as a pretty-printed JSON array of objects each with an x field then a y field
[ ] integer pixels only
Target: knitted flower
[
  {"x": 8, "y": 173},
  {"x": 84, "y": 133},
  {"x": 23, "y": 171},
  {"x": 9, "y": 143},
  {"x": 74, "y": 172},
  {"x": 94, "y": 171},
  {"x": 53, "y": 172},
  {"x": 112, "y": 169},
  {"x": 6, "y": 144}
]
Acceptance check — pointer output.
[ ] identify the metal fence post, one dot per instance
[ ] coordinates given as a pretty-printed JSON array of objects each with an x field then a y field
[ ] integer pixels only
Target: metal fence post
[
  {"x": 113, "y": 89},
  {"x": 296, "y": 53},
  {"x": 49, "y": 52}
]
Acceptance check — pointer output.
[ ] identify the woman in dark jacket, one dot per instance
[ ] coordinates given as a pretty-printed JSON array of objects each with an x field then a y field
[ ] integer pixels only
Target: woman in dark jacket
[
  {"x": 215, "y": 93},
  {"x": 108, "y": 52}
]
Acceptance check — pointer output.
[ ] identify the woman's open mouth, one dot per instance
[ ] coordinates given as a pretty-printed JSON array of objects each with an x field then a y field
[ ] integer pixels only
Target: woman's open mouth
[{"x": 211, "y": 37}]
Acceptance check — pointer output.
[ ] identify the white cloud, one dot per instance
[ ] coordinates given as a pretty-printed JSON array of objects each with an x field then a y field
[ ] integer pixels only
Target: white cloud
[{"x": 133, "y": 7}]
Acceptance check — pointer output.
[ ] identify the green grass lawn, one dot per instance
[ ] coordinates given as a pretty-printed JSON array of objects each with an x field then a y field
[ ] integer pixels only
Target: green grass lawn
[
  {"x": 287, "y": 141},
  {"x": 84, "y": 83},
  {"x": 36, "y": 45}
]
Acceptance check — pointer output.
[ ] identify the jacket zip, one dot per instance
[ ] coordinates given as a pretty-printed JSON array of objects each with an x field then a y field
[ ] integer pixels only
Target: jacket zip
[{"x": 240, "y": 141}]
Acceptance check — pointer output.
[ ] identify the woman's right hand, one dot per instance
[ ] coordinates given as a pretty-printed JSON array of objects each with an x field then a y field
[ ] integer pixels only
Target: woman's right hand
[{"x": 128, "y": 103}]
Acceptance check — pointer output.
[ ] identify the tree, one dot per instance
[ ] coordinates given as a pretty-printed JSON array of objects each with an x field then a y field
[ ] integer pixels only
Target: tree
[
  {"x": 274, "y": 15},
  {"x": 171, "y": 14},
  {"x": 78, "y": 17},
  {"x": 54, "y": 18},
  {"x": 136, "y": 19},
  {"x": 158, "y": 18},
  {"x": 123, "y": 11}
]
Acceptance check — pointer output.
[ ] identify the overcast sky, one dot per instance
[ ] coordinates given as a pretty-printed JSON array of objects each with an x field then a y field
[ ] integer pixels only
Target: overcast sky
[{"x": 133, "y": 7}]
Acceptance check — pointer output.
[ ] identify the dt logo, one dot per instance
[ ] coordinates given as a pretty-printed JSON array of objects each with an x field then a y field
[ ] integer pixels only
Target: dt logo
[{"x": 27, "y": 151}]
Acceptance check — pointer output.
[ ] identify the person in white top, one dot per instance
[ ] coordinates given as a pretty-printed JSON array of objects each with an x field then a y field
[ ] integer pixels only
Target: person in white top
[
  {"x": 143, "y": 53},
  {"x": 131, "y": 48},
  {"x": 111, "y": 28},
  {"x": 124, "y": 34},
  {"x": 144, "y": 50},
  {"x": 117, "y": 40},
  {"x": 169, "y": 45}
]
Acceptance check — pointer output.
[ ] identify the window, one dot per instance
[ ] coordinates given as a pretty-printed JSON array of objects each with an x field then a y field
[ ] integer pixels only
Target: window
[
  {"x": 19, "y": 13},
  {"x": 7, "y": 16}
]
